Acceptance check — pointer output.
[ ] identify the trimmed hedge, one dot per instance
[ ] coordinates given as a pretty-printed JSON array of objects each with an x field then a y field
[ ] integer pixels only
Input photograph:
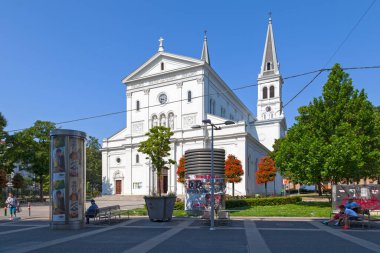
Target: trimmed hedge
[{"x": 271, "y": 201}]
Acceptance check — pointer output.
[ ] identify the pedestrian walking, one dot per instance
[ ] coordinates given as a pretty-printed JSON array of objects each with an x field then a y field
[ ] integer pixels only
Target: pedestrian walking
[{"x": 12, "y": 205}]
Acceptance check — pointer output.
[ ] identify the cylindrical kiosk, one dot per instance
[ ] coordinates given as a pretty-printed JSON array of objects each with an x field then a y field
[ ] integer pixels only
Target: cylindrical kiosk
[
  {"x": 198, "y": 180},
  {"x": 67, "y": 178}
]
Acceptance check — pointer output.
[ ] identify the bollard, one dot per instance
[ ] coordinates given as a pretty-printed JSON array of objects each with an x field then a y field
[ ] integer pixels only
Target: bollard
[
  {"x": 29, "y": 208},
  {"x": 5, "y": 211}
]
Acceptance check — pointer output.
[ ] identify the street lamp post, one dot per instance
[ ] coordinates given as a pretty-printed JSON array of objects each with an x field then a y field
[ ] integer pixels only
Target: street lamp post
[{"x": 207, "y": 122}]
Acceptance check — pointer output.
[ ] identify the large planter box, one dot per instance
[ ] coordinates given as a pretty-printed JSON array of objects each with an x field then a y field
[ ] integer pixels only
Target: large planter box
[{"x": 160, "y": 208}]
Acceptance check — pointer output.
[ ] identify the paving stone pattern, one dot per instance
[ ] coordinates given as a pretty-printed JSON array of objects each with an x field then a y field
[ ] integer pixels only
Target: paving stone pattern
[{"x": 188, "y": 235}]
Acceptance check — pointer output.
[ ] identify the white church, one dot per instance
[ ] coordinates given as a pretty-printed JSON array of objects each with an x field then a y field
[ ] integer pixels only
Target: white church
[{"x": 179, "y": 92}]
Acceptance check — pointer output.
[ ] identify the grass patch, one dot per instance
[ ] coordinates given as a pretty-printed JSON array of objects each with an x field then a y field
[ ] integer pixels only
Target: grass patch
[
  {"x": 301, "y": 209},
  {"x": 144, "y": 212}
]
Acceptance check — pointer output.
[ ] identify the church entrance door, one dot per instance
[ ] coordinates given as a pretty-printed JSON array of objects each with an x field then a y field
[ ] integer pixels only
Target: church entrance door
[{"x": 118, "y": 186}]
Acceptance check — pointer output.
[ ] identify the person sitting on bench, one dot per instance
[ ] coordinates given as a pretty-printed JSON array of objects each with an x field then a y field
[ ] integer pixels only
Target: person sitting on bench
[
  {"x": 351, "y": 204},
  {"x": 338, "y": 217},
  {"x": 91, "y": 211},
  {"x": 349, "y": 214}
]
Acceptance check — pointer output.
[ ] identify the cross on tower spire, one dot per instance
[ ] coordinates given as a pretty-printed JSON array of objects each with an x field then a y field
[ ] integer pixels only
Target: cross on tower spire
[{"x": 205, "y": 56}]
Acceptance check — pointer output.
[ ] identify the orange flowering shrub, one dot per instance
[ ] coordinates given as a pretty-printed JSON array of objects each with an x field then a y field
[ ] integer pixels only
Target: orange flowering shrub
[
  {"x": 233, "y": 169},
  {"x": 266, "y": 171},
  {"x": 181, "y": 170}
]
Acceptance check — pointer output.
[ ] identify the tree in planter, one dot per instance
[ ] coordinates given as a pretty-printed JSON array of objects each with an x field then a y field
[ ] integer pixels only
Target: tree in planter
[
  {"x": 157, "y": 148},
  {"x": 266, "y": 172},
  {"x": 233, "y": 171},
  {"x": 18, "y": 181},
  {"x": 181, "y": 170}
]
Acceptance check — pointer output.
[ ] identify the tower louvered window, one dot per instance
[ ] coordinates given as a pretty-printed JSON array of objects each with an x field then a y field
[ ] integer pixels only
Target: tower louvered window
[
  {"x": 271, "y": 92},
  {"x": 265, "y": 92}
]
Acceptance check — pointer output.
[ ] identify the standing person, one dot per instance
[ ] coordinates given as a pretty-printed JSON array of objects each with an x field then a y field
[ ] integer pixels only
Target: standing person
[
  {"x": 91, "y": 211},
  {"x": 11, "y": 204}
]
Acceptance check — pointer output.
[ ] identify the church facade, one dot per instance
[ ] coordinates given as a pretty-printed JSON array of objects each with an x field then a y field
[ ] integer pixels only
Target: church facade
[{"x": 179, "y": 92}]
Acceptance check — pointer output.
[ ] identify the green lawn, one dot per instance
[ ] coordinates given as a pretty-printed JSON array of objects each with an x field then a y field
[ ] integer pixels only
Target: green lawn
[
  {"x": 303, "y": 209},
  {"x": 144, "y": 212}
]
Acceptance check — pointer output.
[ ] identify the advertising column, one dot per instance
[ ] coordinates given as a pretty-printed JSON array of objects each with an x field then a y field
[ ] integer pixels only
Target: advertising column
[{"x": 67, "y": 178}]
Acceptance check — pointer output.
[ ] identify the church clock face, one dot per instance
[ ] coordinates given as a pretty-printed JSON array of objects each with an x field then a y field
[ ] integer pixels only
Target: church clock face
[
  {"x": 268, "y": 108},
  {"x": 163, "y": 98}
]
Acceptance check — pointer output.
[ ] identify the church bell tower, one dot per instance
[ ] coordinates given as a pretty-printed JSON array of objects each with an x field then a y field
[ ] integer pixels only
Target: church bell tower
[
  {"x": 270, "y": 124},
  {"x": 269, "y": 102}
]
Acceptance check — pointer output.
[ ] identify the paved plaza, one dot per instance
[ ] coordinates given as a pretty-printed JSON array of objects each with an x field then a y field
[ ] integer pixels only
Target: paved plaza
[{"x": 183, "y": 235}]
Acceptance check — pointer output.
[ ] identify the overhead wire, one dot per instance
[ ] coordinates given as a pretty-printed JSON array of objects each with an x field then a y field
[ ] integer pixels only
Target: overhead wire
[{"x": 207, "y": 95}]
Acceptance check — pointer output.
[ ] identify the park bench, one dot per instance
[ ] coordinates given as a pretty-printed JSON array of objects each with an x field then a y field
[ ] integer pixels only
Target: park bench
[
  {"x": 109, "y": 212},
  {"x": 222, "y": 216},
  {"x": 363, "y": 219}
]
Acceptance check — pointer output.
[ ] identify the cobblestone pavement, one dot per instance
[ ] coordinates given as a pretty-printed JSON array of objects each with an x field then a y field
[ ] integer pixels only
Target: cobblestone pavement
[{"x": 189, "y": 235}]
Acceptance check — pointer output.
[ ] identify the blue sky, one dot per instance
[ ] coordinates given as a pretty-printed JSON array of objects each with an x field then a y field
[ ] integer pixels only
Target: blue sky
[{"x": 63, "y": 60}]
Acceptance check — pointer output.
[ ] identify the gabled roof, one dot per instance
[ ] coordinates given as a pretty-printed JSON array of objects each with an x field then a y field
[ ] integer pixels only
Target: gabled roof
[{"x": 170, "y": 62}]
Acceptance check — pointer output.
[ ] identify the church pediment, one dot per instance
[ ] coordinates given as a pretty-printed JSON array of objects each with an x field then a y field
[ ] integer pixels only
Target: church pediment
[{"x": 160, "y": 63}]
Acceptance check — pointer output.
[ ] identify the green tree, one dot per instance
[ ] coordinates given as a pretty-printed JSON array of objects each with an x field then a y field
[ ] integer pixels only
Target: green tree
[
  {"x": 233, "y": 171},
  {"x": 31, "y": 147},
  {"x": 3, "y": 179},
  {"x": 157, "y": 148},
  {"x": 18, "y": 181},
  {"x": 94, "y": 164},
  {"x": 5, "y": 164},
  {"x": 334, "y": 138}
]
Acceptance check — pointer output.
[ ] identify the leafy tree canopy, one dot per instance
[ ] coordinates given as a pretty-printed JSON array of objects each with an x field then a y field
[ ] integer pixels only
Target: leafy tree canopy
[
  {"x": 31, "y": 147},
  {"x": 335, "y": 136},
  {"x": 94, "y": 164}
]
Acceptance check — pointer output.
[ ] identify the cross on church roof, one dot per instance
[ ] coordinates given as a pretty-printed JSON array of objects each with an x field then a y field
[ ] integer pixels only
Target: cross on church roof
[{"x": 161, "y": 47}]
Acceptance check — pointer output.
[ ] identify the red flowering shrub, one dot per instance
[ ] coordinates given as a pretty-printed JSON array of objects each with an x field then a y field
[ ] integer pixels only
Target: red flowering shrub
[
  {"x": 181, "y": 170},
  {"x": 266, "y": 171},
  {"x": 233, "y": 171}
]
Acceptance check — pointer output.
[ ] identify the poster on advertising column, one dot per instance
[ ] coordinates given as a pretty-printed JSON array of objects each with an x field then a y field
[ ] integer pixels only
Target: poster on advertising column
[
  {"x": 58, "y": 179},
  {"x": 75, "y": 174}
]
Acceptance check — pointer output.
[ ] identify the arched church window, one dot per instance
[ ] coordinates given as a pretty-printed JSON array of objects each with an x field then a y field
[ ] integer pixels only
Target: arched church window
[
  {"x": 213, "y": 106},
  {"x": 154, "y": 121},
  {"x": 268, "y": 65},
  {"x": 263, "y": 115},
  {"x": 162, "y": 66},
  {"x": 271, "y": 92},
  {"x": 210, "y": 109},
  {"x": 163, "y": 120},
  {"x": 171, "y": 121},
  {"x": 189, "y": 96},
  {"x": 265, "y": 92},
  {"x": 137, "y": 158},
  {"x": 137, "y": 105}
]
